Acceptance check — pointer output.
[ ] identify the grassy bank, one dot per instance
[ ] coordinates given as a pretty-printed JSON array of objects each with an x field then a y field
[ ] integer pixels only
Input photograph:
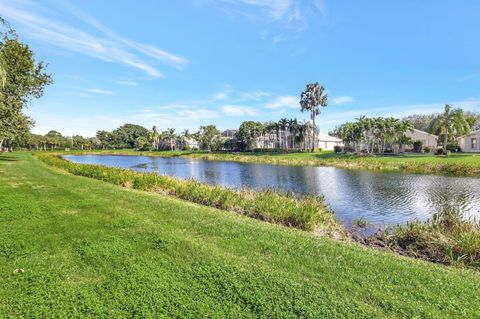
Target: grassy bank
[
  {"x": 448, "y": 238},
  {"x": 93, "y": 249},
  {"x": 304, "y": 212},
  {"x": 455, "y": 165}
]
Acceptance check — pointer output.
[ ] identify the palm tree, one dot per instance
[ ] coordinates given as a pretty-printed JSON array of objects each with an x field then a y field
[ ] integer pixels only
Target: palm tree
[
  {"x": 293, "y": 129},
  {"x": 313, "y": 96},
  {"x": 448, "y": 123},
  {"x": 171, "y": 135},
  {"x": 283, "y": 125},
  {"x": 185, "y": 135},
  {"x": 154, "y": 137}
]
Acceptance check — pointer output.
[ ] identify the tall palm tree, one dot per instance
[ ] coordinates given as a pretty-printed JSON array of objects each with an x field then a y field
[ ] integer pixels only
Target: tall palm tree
[
  {"x": 283, "y": 123},
  {"x": 448, "y": 123},
  {"x": 154, "y": 137},
  {"x": 293, "y": 129},
  {"x": 171, "y": 135},
  {"x": 310, "y": 100},
  {"x": 185, "y": 136}
]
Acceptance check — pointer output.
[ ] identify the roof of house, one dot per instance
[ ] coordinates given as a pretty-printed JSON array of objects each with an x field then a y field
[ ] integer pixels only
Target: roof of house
[
  {"x": 415, "y": 130},
  {"x": 328, "y": 138},
  {"x": 471, "y": 133}
]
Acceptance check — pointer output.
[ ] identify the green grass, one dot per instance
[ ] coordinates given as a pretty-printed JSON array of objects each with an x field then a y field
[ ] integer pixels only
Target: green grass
[
  {"x": 93, "y": 249},
  {"x": 462, "y": 164},
  {"x": 307, "y": 212}
]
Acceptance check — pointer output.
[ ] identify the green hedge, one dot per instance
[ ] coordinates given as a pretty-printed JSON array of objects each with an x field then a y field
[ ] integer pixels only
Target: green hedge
[{"x": 305, "y": 212}]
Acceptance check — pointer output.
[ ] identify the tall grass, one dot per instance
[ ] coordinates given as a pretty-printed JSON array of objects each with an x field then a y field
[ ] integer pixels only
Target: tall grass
[
  {"x": 448, "y": 238},
  {"x": 307, "y": 212}
]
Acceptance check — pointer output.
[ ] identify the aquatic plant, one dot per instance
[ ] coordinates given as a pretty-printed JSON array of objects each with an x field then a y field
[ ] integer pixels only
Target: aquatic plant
[{"x": 448, "y": 238}]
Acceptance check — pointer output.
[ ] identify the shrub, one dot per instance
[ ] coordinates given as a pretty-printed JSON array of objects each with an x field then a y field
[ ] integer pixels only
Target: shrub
[
  {"x": 427, "y": 149},
  {"x": 417, "y": 146},
  {"x": 439, "y": 151},
  {"x": 453, "y": 147},
  {"x": 338, "y": 149},
  {"x": 305, "y": 212}
]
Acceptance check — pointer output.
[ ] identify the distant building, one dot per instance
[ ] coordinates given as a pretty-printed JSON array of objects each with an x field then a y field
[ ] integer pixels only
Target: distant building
[
  {"x": 427, "y": 139},
  {"x": 327, "y": 142},
  {"x": 470, "y": 142}
]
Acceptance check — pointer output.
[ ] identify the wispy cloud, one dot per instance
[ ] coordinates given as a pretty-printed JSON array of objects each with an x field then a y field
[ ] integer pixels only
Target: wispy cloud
[
  {"x": 127, "y": 82},
  {"x": 283, "y": 102},
  {"x": 99, "y": 91},
  {"x": 236, "y": 110},
  {"x": 342, "y": 100},
  {"x": 111, "y": 47},
  {"x": 281, "y": 18}
]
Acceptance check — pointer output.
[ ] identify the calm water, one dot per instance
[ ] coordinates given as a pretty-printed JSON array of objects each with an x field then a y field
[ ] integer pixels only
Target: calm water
[{"x": 380, "y": 198}]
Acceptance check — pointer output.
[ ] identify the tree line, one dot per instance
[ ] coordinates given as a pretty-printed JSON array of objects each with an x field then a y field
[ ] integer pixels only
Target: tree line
[{"x": 375, "y": 134}]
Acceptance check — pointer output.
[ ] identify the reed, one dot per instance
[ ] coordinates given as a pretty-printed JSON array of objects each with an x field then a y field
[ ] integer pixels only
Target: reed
[{"x": 448, "y": 238}]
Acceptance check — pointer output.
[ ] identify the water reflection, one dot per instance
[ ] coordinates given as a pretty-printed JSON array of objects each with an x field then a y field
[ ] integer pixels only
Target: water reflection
[{"x": 380, "y": 198}]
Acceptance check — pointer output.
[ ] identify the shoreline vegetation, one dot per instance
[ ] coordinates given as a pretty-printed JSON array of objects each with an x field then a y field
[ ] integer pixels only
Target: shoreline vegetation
[
  {"x": 447, "y": 238},
  {"x": 99, "y": 250},
  {"x": 306, "y": 212},
  {"x": 461, "y": 164}
]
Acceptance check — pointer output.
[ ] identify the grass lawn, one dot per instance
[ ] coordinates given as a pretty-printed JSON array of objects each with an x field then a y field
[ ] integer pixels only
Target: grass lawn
[
  {"x": 92, "y": 249},
  {"x": 461, "y": 164}
]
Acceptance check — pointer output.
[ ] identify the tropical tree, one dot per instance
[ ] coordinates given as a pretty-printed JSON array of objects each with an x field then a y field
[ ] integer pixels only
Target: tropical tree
[
  {"x": 248, "y": 133},
  {"x": 283, "y": 125},
  {"x": 154, "y": 137},
  {"x": 127, "y": 134},
  {"x": 449, "y": 123},
  {"x": 170, "y": 132},
  {"x": 310, "y": 100},
  {"x": 209, "y": 137},
  {"x": 21, "y": 80}
]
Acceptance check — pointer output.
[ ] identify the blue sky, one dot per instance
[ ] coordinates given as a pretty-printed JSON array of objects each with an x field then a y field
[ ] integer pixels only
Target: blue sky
[{"x": 191, "y": 62}]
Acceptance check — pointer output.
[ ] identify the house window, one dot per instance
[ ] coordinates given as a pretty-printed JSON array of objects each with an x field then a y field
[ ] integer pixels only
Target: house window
[{"x": 474, "y": 143}]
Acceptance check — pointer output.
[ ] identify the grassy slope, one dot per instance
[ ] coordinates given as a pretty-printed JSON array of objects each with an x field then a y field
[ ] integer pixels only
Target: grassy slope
[
  {"x": 93, "y": 249},
  {"x": 463, "y": 164}
]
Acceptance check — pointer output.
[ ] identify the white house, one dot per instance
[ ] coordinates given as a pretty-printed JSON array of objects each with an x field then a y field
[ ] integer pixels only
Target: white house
[
  {"x": 327, "y": 142},
  {"x": 427, "y": 139},
  {"x": 470, "y": 142}
]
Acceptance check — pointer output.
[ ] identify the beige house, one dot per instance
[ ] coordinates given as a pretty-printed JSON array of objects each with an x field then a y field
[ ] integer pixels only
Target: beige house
[
  {"x": 427, "y": 139},
  {"x": 327, "y": 142},
  {"x": 470, "y": 142}
]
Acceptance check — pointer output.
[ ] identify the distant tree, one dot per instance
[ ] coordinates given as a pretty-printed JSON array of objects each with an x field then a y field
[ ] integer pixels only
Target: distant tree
[
  {"x": 54, "y": 139},
  {"x": 170, "y": 133},
  {"x": 104, "y": 138},
  {"x": 209, "y": 137},
  {"x": 449, "y": 123},
  {"x": 310, "y": 100},
  {"x": 154, "y": 137},
  {"x": 283, "y": 126},
  {"x": 248, "y": 132},
  {"x": 126, "y": 135},
  {"x": 141, "y": 143},
  {"x": 421, "y": 121},
  {"x": 21, "y": 79}
]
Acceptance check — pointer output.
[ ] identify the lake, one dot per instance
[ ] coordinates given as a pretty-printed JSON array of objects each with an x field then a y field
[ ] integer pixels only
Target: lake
[{"x": 380, "y": 198}]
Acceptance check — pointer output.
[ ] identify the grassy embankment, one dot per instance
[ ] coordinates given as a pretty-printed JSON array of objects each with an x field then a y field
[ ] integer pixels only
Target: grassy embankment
[
  {"x": 461, "y": 164},
  {"x": 94, "y": 249}
]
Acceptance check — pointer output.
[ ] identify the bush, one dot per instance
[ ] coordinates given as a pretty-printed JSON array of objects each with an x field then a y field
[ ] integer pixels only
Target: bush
[
  {"x": 427, "y": 149},
  {"x": 307, "y": 212},
  {"x": 417, "y": 146},
  {"x": 453, "y": 147},
  {"x": 439, "y": 151},
  {"x": 338, "y": 149}
]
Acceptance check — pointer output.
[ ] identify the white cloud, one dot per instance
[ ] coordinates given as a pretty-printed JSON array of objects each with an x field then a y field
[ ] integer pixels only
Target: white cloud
[
  {"x": 127, "y": 82},
  {"x": 99, "y": 91},
  {"x": 342, "y": 100},
  {"x": 112, "y": 48},
  {"x": 283, "y": 102},
  {"x": 236, "y": 110}
]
